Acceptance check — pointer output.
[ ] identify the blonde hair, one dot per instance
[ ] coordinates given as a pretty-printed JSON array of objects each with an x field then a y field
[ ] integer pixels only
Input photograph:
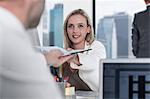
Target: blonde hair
[{"x": 89, "y": 37}]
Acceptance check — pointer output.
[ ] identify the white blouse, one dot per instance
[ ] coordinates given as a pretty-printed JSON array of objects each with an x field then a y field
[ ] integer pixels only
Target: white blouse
[{"x": 89, "y": 70}]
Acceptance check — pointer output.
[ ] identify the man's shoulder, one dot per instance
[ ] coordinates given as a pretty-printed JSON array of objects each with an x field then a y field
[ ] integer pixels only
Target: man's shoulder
[{"x": 141, "y": 13}]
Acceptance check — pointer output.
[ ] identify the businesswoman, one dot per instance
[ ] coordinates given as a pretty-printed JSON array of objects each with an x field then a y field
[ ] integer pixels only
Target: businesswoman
[{"x": 82, "y": 71}]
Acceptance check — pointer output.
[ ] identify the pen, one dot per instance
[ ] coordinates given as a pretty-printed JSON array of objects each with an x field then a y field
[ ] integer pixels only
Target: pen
[{"x": 80, "y": 51}]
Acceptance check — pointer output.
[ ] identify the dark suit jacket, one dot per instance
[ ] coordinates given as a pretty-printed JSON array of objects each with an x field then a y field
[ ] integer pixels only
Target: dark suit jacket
[{"x": 141, "y": 34}]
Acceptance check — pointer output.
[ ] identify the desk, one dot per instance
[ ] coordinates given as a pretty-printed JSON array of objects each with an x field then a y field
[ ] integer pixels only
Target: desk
[
  {"x": 79, "y": 94},
  {"x": 84, "y": 95}
]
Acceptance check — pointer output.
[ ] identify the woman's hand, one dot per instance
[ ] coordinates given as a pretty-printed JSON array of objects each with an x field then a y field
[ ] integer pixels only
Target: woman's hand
[{"x": 74, "y": 59}]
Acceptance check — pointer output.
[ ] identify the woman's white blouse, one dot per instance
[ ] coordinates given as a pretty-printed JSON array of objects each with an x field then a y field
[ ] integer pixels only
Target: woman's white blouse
[{"x": 89, "y": 70}]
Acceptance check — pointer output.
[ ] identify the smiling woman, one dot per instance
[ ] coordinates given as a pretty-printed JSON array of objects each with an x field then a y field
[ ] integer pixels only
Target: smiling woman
[
  {"x": 83, "y": 68},
  {"x": 78, "y": 24}
]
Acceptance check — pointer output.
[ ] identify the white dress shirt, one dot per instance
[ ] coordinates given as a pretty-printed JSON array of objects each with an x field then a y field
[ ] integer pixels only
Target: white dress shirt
[
  {"x": 89, "y": 70},
  {"x": 23, "y": 72}
]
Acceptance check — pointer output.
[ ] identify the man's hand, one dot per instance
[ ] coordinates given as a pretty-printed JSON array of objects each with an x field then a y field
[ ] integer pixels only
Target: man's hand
[
  {"x": 74, "y": 59},
  {"x": 56, "y": 58}
]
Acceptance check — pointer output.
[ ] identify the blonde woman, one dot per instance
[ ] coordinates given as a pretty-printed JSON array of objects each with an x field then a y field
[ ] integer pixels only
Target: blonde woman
[{"x": 82, "y": 71}]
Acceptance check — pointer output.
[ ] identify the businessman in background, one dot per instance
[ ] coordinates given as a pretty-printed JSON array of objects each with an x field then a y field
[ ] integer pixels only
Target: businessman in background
[
  {"x": 24, "y": 73},
  {"x": 141, "y": 33}
]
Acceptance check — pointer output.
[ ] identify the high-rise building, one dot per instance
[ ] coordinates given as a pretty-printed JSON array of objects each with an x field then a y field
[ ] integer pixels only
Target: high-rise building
[
  {"x": 43, "y": 27},
  {"x": 122, "y": 29},
  {"x": 51, "y": 34},
  {"x": 56, "y": 26},
  {"x": 106, "y": 33},
  {"x": 45, "y": 39},
  {"x": 113, "y": 32}
]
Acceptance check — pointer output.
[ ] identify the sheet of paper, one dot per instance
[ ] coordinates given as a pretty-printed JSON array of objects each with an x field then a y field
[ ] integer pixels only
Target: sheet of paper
[{"x": 47, "y": 49}]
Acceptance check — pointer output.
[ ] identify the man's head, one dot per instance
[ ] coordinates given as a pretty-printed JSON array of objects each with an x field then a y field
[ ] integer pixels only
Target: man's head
[
  {"x": 147, "y": 1},
  {"x": 35, "y": 12},
  {"x": 27, "y": 11}
]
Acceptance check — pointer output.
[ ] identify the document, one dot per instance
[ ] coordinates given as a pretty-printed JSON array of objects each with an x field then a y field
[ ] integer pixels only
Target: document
[
  {"x": 76, "y": 51},
  {"x": 49, "y": 48}
]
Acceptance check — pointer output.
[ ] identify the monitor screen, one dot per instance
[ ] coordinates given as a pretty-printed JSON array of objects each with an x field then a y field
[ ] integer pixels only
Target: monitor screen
[{"x": 126, "y": 79}]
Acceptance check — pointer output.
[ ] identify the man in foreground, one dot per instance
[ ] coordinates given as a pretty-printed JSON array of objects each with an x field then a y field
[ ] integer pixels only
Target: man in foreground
[{"x": 24, "y": 73}]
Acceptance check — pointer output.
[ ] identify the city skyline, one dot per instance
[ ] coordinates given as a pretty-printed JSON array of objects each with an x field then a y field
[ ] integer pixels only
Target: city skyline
[
  {"x": 113, "y": 31},
  {"x": 103, "y": 8},
  {"x": 110, "y": 7}
]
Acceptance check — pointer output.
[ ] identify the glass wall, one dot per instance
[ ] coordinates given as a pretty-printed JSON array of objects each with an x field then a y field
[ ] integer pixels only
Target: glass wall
[
  {"x": 112, "y": 20},
  {"x": 114, "y": 23},
  {"x": 50, "y": 29}
]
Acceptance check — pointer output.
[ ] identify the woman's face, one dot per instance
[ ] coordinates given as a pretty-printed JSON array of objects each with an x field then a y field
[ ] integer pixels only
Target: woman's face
[{"x": 77, "y": 29}]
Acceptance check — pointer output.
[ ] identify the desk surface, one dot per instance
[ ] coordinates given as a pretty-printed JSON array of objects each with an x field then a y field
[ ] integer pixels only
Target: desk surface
[{"x": 84, "y": 95}]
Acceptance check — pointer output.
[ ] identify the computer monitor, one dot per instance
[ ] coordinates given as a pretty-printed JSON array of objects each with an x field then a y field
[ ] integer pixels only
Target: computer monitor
[{"x": 125, "y": 79}]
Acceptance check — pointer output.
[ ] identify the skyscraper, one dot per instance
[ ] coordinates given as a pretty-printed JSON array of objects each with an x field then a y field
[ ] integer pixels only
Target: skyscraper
[
  {"x": 106, "y": 33},
  {"x": 45, "y": 28},
  {"x": 113, "y": 32},
  {"x": 45, "y": 39},
  {"x": 122, "y": 29},
  {"x": 56, "y": 25}
]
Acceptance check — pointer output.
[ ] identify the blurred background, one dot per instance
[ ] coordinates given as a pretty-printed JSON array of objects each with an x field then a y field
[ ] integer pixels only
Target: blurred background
[{"x": 112, "y": 22}]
